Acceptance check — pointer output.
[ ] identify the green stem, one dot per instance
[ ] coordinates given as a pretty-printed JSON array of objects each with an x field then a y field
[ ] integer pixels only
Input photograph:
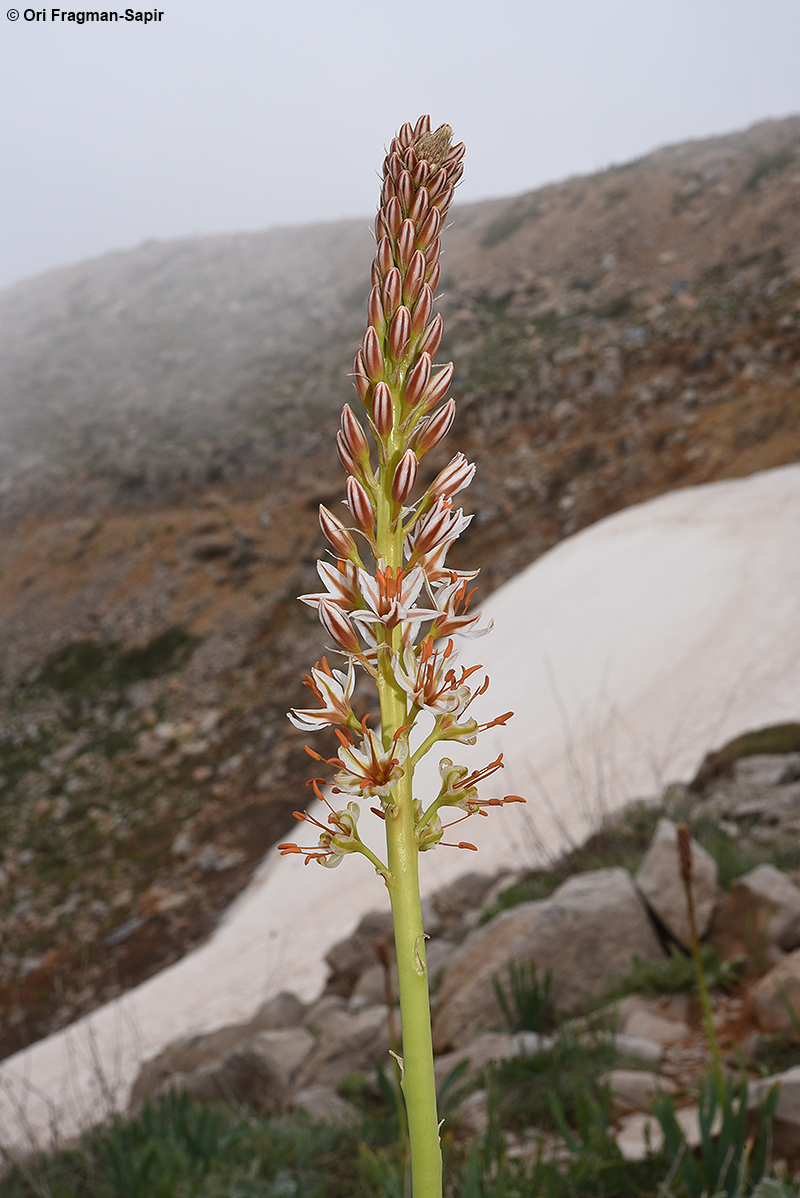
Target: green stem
[{"x": 402, "y": 880}]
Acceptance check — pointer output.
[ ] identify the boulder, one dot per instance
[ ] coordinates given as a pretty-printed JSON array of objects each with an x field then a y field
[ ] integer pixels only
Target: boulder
[
  {"x": 635, "y": 1089},
  {"x": 323, "y": 1105},
  {"x": 350, "y": 957},
  {"x": 351, "y": 1042},
  {"x": 765, "y": 996},
  {"x": 586, "y": 934},
  {"x": 257, "y": 1070},
  {"x": 660, "y": 883},
  {"x": 759, "y": 917}
]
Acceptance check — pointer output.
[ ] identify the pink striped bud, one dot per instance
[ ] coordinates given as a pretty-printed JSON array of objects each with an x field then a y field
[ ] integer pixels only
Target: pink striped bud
[
  {"x": 420, "y": 206},
  {"x": 388, "y": 190},
  {"x": 435, "y": 429},
  {"x": 371, "y": 353},
  {"x": 421, "y": 173},
  {"x": 410, "y": 159},
  {"x": 433, "y": 527},
  {"x": 432, "y": 257},
  {"x": 354, "y": 437},
  {"x": 393, "y": 165},
  {"x": 432, "y": 337},
  {"x": 429, "y": 230},
  {"x": 437, "y": 184},
  {"x": 404, "y": 476},
  {"x": 383, "y": 256},
  {"x": 457, "y": 474},
  {"x": 337, "y": 625},
  {"x": 392, "y": 292},
  {"x": 455, "y": 154},
  {"x": 393, "y": 217},
  {"x": 417, "y": 381},
  {"x": 382, "y": 410},
  {"x": 422, "y": 309},
  {"x": 406, "y": 240},
  {"x": 433, "y": 277},
  {"x": 423, "y": 125},
  {"x": 360, "y": 507},
  {"x": 336, "y": 534},
  {"x": 444, "y": 199},
  {"x": 437, "y": 388},
  {"x": 415, "y": 277},
  {"x": 399, "y": 333},
  {"x": 375, "y": 314},
  {"x": 406, "y": 135},
  {"x": 405, "y": 190},
  {"x": 456, "y": 173},
  {"x": 360, "y": 377},
  {"x": 345, "y": 457}
]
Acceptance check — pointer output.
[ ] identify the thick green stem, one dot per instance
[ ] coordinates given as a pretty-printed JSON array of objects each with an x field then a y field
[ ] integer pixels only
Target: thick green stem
[{"x": 418, "y": 1082}]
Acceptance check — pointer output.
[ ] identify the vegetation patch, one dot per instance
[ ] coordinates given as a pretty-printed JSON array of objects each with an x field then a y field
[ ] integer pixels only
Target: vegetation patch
[{"x": 87, "y": 666}]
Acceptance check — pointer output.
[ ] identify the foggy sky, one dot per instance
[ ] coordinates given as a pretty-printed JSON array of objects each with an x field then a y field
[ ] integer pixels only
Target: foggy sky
[{"x": 224, "y": 117}]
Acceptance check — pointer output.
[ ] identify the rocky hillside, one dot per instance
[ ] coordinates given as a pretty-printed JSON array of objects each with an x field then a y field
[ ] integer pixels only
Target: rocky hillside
[{"x": 168, "y": 417}]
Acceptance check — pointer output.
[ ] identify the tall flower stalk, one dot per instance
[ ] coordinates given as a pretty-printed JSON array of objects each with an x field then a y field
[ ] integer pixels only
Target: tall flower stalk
[{"x": 392, "y": 607}]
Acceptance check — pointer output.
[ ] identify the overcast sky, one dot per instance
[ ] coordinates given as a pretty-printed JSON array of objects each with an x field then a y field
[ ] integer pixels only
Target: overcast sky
[{"x": 247, "y": 114}]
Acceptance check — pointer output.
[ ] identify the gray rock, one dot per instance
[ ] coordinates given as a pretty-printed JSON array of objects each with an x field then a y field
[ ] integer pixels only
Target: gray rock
[
  {"x": 759, "y": 914},
  {"x": 350, "y": 957},
  {"x": 765, "y": 996},
  {"x": 635, "y": 1089},
  {"x": 350, "y": 1043},
  {"x": 586, "y": 933},
  {"x": 323, "y": 1105},
  {"x": 660, "y": 883}
]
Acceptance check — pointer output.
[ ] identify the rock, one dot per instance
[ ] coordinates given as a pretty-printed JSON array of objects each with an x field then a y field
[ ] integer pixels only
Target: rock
[
  {"x": 646, "y": 1026},
  {"x": 634, "y": 1089},
  {"x": 455, "y": 901},
  {"x": 323, "y": 1105},
  {"x": 472, "y": 1113},
  {"x": 586, "y": 933},
  {"x": 351, "y": 1043},
  {"x": 786, "y": 1124},
  {"x": 758, "y": 917},
  {"x": 660, "y": 883},
  {"x": 283, "y": 1010},
  {"x": 350, "y": 957},
  {"x": 257, "y": 1069},
  {"x": 765, "y": 996}
]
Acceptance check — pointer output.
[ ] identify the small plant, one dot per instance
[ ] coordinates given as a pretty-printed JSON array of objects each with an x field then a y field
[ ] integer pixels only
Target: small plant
[
  {"x": 528, "y": 1004},
  {"x": 730, "y": 1159}
]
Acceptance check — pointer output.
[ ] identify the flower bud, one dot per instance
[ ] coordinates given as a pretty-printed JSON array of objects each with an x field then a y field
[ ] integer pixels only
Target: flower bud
[
  {"x": 437, "y": 184},
  {"x": 382, "y": 410},
  {"x": 354, "y": 437},
  {"x": 375, "y": 309},
  {"x": 392, "y": 292},
  {"x": 419, "y": 209},
  {"x": 415, "y": 277},
  {"x": 393, "y": 165},
  {"x": 388, "y": 190},
  {"x": 432, "y": 337},
  {"x": 404, "y": 476},
  {"x": 362, "y": 384},
  {"x": 337, "y": 625},
  {"x": 437, "y": 387},
  {"x": 432, "y": 259},
  {"x": 457, "y": 474},
  {"x": 405, "y": 190},
  {"x": 383, "y": 256},
  {"x": 423, "y": 125},
  {"x": 336, "y": 534},
  {"x": 421, "y": 173},
  {"x": 444, "y": 199},
  {"x": 417, "y": 381},
  {"x": 345, "y": 457},
  {"x": 406, "y": 134},
  {"x": 393, "y": 217},
  {"x": 433, "y": 277},
  {"x": 422, "y": 308},
  {"x": 435, "y": 429},
  {"x": 429, "y": 230},
  {"x": 406, "y": 240},
  {"x": 371, "y": 353},
  {"x": 399, "y": 333},
  {"x": 360, "y": 507}
]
